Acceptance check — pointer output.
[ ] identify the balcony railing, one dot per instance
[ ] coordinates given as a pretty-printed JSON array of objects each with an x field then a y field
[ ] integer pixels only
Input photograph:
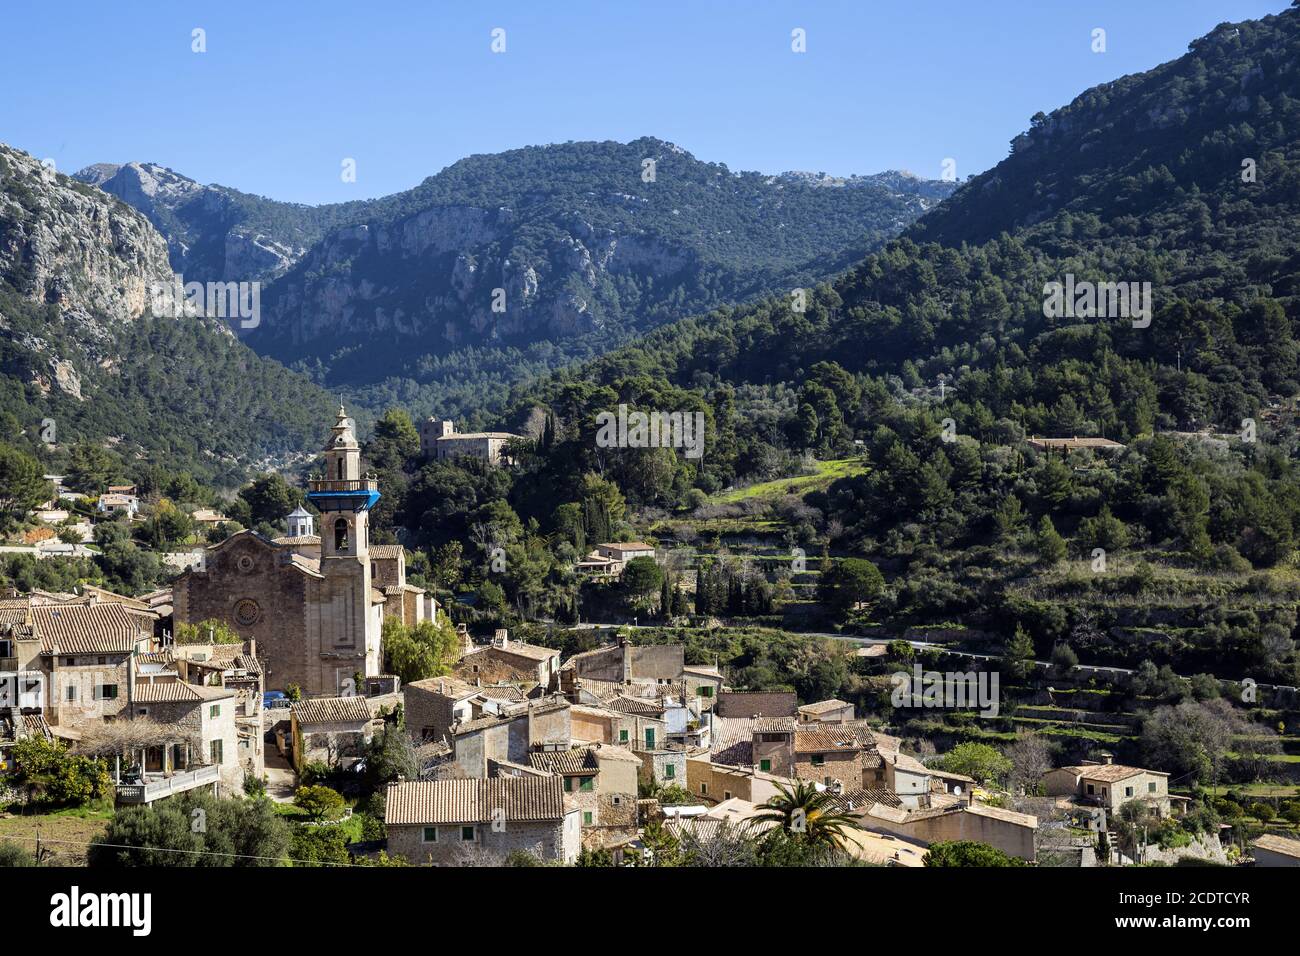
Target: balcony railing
[
  {"x": 152, "y": 790},
  {"x": 343, "y": 485}
]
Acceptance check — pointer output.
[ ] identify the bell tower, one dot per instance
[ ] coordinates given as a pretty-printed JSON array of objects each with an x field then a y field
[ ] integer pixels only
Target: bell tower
[{"x": 348, "y": 628}]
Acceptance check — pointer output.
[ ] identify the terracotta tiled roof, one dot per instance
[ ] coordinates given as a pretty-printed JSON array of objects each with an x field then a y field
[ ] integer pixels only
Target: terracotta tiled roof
[
  {"x": 824, "y": 739},
  {"x": 524, "y": 799},
  {"x": 502, "y": 692},
  {"x": 177, "y": 692},
  {"x": 458, "y": 689},
  {"x": 861, "y": 798},
  {"x": 600, "y": 689},
  {"x": 297, "y": 540},
  {"x": 580, "y": 760},
  {"x": 634, "y": 705},
  {"x": 386, "y": 552},
  {"x": 332, "y": 710},
  {"x": 106, "y": 596},
  {"x": 1278, "y": 844},
  {"x": 774, "y": 725},
  {"x": 1109, "y": 772},
  {"x": 86, "y": 628},
  {"x": 824, "y": 706},
  {"x": 520, "y": 649},
  {"x": 732, "y": 741}
]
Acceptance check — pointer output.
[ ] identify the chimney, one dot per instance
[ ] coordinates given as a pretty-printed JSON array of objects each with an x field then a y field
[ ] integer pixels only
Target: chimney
[{"x": 1107, "y": 757}]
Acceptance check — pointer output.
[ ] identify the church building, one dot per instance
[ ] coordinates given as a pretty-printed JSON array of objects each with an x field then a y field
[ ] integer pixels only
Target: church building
[{"x": 315, "y": 604}]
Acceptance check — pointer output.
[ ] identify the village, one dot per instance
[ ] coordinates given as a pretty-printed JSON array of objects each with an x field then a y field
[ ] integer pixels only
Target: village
[{"x": 623, "y": 753}]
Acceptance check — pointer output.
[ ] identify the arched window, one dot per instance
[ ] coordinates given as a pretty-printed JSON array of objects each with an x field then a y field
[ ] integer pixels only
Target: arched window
[{"x": 341, "y": 534}]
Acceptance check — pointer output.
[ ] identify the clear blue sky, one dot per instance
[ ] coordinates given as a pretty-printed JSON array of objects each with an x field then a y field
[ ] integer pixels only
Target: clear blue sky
[{"x": 406, "y": 88}]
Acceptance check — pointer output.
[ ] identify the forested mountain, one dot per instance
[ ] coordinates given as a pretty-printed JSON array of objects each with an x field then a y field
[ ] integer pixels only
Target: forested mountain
[
  {"x": 933, "y": 359},
  {"x": 81, "y": 348},
  {"x": 394, "y": 299},
  {"x": 1167, "y": 205},
  {"x": 586, "y": 249}
]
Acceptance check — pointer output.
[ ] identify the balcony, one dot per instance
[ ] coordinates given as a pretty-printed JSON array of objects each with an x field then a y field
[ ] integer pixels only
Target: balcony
[
  {"x": 149, "y": 790},
  {"x": 342, "y": 486}
]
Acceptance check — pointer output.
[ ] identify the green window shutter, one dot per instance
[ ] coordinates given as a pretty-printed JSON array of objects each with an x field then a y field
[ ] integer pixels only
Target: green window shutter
[
  {"x": 670, "y": 771},
  {"x": 467, "y": 834},
  {"x": 587, "y": 784},
  {"x": 765, "y": 766},
  {"x": 586, "y": 818},
  {"x": 622, "y": 736},
  {"x": 568, "y": 785},
  {"x": 430, "y": 834}
]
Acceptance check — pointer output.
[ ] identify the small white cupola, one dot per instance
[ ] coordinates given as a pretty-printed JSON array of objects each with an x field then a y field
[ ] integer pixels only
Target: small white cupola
[{"x": 299, "y": 523}]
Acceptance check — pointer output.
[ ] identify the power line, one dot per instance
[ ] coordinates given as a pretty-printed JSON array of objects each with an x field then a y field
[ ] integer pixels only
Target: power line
[{"x": 166, "y": 849}]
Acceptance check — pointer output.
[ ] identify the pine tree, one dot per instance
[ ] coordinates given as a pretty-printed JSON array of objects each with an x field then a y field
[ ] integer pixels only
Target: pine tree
[
  {"x": 1020, "y": 653},
  {"x": 1050, "y": 545}
]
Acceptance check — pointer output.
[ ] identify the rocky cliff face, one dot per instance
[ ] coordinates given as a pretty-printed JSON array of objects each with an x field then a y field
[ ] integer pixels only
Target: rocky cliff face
[
  {"x": 81, "y": 350},
  {"x": 572, "y": 243},
  {"x": 214, "y": 233},
  {"x": 65, "y": 244}
]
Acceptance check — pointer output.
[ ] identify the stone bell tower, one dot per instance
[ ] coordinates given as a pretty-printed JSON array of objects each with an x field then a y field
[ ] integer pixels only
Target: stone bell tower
[{"x": 348, "y": 627}]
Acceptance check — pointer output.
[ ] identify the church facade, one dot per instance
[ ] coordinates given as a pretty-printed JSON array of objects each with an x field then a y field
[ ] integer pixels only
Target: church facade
[{"x": 314, "y": 603}]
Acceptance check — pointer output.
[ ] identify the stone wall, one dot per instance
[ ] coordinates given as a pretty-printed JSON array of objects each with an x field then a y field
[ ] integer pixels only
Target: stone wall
[{"x": 548, "y": 840}]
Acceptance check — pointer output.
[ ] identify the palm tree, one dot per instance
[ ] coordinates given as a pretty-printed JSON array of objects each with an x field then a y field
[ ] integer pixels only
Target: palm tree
[{"x": 807, "y": 814}]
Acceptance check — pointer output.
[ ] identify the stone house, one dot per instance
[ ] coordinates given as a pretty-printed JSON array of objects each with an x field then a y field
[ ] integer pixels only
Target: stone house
[
  {"x": 663, "y": 768},
  {"x": 773, "y": 745},
  {"x": 827, "y": 754},
  {"x": 511, "y": 735},
  {"x": 203, "y": 719},
  {"x": 601, "y": 781},
  {"x": 442, "y": 821},
  {"x": 826, "y": 712},
  {"x": 703, "y": 682},
  {"x": 624, "y": 663},
  {"x": 332, "y": 730},
  {"x": 905, "y": 776},
  {"x": 1109, "y": 785},
  {"x": 641, "y": 723},
  {"x": 236, "y": 668},
  {"x": 507, "y": 661},
  {"x": 716, "y": 783},
  {"x": 85, "y": 656},
  {"x": 435, "y": 705}
]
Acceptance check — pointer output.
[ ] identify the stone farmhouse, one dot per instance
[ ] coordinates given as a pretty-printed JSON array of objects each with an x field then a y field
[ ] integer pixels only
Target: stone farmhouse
[
  {"x": 1109, "y": 785},
  {"x": 445, "y": 822}
]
